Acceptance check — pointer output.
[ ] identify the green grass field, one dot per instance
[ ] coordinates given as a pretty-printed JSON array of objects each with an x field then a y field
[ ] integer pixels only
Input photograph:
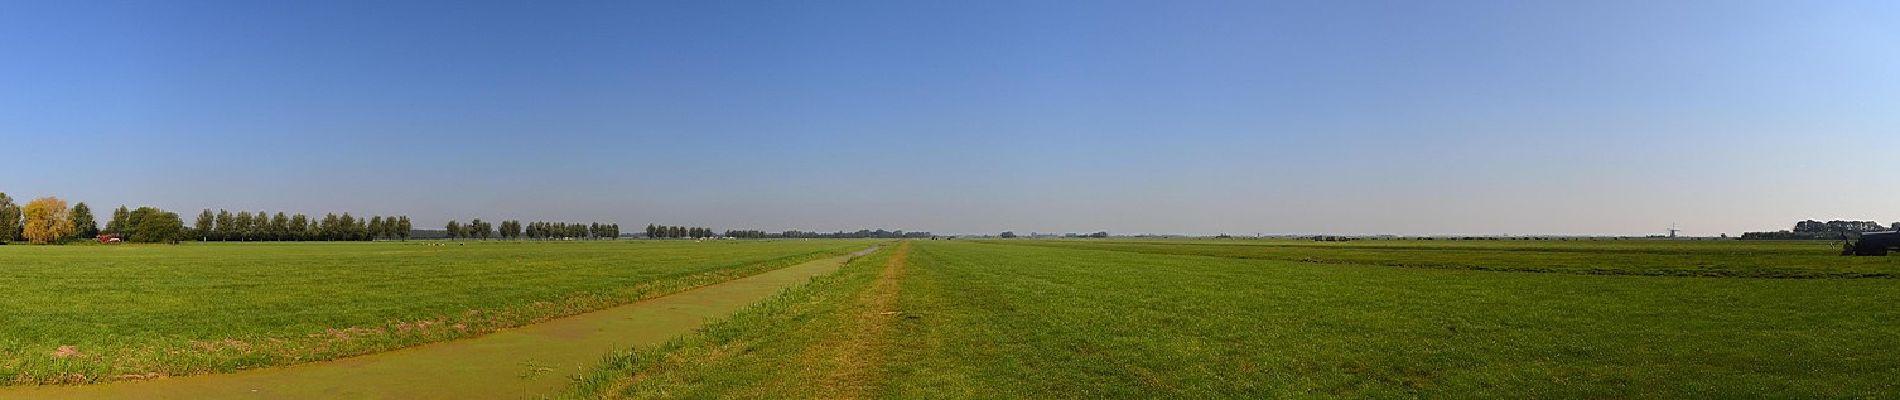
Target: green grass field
[
  {"x": 81, "y": 314},
  {"x": 1010, "y": 318},
  {"x": 1199, "y": 319},
  {"x": 1729, "y": 258}
]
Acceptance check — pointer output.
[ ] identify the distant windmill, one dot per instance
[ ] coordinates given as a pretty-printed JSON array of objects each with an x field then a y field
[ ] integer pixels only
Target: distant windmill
[{"x": 1673, "y": 230}]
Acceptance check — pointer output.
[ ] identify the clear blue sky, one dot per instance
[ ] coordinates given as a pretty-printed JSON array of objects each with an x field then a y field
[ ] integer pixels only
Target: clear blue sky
[{"x": 964, "y": 116}]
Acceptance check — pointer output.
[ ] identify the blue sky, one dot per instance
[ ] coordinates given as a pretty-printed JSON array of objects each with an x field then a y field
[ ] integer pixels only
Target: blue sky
[{"x": 1606, "y": 117}]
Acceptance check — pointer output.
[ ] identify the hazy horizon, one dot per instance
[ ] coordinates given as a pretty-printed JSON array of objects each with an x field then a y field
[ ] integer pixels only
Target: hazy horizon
[{"x": 1609, "y": 118}]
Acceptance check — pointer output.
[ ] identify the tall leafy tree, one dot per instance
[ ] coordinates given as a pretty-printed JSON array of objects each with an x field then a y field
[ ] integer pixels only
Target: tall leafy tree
[
  {"x": 402, "y": 227},
  {"x": 47, "y": 221},
  {"x": 226, "y": 225},
  {"x": 328, "y": 229},
  {"x": 83, "y": 225},
  {"x": 244, "y": 229},
  {"x": 478, "y": 229},
  {"x": 118, "y": 223},
  {"x": 260, "y": 226},
  {"x": 511, "y": 229},
  {"x": 206, "y": 223},
  {"x": 452, "y": 230},
  {"x": 242, "y": 225},
  {"x": 299, "y": 227},
  {"x": 346, "y": 227},
  {"x": 313, "y": 229},
  {"x": 10, "y": 225},
  {"x": 280, "y": 227},
  {"x": 152, "y": 225}
]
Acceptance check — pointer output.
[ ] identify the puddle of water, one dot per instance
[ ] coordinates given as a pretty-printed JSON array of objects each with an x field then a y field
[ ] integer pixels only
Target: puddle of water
[{"x": 530, "y": 360}]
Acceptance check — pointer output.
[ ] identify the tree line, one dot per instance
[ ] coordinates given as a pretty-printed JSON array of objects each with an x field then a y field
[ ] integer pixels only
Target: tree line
[
  {"x": 537, "y": 230},
  {"x": 1817, "y": 230},
  {"x": 747, "y": 234},
  {"x": 861, "y": 233},
  {"x": 147, "y": 225},
  {"x": 48, "y": 220},
  {"x": 663, "y": 232},
  {"x": 666, "y": 232},
  {"x": 263, "y": 226}
]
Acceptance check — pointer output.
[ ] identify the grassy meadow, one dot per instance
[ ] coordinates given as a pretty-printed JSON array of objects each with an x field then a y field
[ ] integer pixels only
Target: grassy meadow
[
  {"x": 83, "y": 314},
  {"x": 1253, "y": 319},
  {"x": 1726, "y": 258}
]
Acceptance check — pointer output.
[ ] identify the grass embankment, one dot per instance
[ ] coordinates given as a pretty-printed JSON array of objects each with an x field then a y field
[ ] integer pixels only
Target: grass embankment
[
  {"x": 97, "y": 313},
  {"x": 979, "y": 320},
  {"x": 1728, "y": 258},
  {"x": 820, "y": 340}
]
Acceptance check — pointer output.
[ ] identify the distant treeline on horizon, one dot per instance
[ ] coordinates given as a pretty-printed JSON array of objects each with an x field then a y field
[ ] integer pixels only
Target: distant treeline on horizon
[
  {"x": 686, "y": 232},
  {"x": 1817, "y": 230},
  {"x": 48, "y": 220}
]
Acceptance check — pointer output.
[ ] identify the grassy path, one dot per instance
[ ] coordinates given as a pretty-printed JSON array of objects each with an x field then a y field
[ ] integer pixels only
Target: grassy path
[
  {"x": 826, "y": 340},
  {"x": 856, "y": 359},
  {"x": 526, "y": 361}
]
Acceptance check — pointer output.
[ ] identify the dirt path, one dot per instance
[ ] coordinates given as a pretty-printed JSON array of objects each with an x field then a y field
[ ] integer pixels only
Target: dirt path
[{"x": 530, "y": 360}]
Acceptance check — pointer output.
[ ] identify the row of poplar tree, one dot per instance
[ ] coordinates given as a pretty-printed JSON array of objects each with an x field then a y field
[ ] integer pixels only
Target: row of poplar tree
[
  {"x": 539, "y": 230},
  {"x": 262, "y": 226},
  {"x": 661, "y": 231},
  {"x": 48, "y": 220}
]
